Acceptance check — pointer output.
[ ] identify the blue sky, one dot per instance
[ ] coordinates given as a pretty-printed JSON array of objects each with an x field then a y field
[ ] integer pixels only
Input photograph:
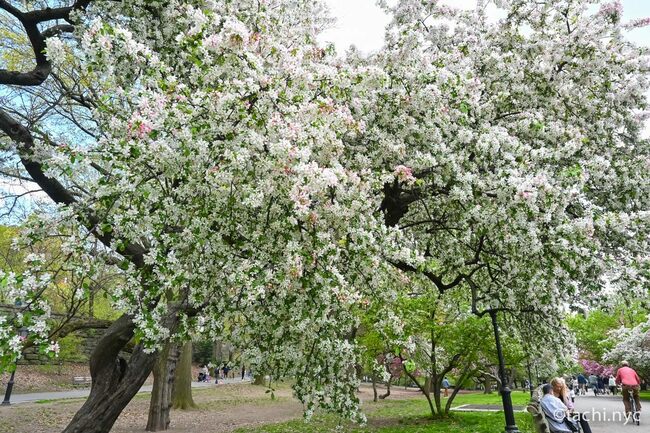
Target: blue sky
[{"x": 361, "y": 22}]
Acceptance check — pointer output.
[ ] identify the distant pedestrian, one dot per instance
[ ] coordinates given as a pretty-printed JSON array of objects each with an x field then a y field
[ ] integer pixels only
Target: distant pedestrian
[
  {"x": 446, "y": 385},
  {"x": 612, "y": 385},
  {"x": 601, "y": 385},
  {"x": 582, "y": 384},
  {"x": 574, "y": 384},
  {"x": 593, "y": 383}
]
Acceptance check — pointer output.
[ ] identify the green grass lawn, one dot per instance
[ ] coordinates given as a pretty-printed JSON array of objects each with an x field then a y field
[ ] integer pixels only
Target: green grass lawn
[
  {"x": 645, "y": 395},
  {"x": 518, "y": 398},
  {"x": 403, "y": 416}
]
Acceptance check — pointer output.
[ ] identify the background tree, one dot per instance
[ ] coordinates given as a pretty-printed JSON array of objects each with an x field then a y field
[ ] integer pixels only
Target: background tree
[
  {"x": 631, "y": 344},
  {"x": 591, "y": 328},
  {"x": 448, "y": 339}
]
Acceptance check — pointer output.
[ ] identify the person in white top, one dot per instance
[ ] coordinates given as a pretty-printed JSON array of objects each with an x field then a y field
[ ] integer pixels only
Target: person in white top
[{"x": 612, "y": 385}]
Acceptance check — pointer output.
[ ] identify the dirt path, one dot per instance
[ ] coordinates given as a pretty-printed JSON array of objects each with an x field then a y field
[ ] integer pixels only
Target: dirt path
[{"x": 221, "y": 409}]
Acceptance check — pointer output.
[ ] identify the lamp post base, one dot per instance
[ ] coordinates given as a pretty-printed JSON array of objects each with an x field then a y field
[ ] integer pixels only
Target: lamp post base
[{"x": 10, "y": 387}]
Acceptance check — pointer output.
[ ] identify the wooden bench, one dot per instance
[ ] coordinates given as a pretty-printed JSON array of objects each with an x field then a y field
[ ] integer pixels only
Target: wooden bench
[
  {"x": 540, "y": 424},
  {"x": 82, "y": 381}
]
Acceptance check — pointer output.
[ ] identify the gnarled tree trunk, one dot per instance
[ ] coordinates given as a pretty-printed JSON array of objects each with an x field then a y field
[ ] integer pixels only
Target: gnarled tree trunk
[{"x": 114, "y": 380}]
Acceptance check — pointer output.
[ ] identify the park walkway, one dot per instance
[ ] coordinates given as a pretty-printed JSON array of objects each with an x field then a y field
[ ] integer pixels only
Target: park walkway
[
  {"x": 606, "y": 414},
  {"x": 83, "y": 393}
]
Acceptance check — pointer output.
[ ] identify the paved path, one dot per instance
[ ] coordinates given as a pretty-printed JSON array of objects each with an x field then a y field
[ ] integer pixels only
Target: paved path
[
  {"x": 83, "y": 393},
  {"x": 607, "y": 414}
]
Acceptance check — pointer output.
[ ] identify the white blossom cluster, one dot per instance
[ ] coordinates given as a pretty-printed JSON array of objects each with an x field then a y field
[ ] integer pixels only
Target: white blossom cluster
[{"x": 632, "y": 345}]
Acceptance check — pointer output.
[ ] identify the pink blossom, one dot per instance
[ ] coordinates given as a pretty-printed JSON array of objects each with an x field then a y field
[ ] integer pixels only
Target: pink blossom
[
  {"x": 593, "y": 367},
  {"x": 639, "y": 22},
  {"x": 612, "y": 10},
  {"x": 212, "y": 42},
  {"x": 404, "y": 174},
  {"x": 526, "y": 195},
  {"x": 144, "y": 129}
]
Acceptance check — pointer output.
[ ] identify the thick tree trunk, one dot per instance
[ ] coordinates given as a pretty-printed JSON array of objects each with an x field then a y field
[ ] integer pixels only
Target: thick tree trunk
[
  {"x": 512, "y": 384},
  {"x": 436, "y": 384},
  {"x": 163, "y": 382},
  {"x": 114, "y": 380},
  {"x": 488, "y": 384},
  {"x": 182, "y": 391}
]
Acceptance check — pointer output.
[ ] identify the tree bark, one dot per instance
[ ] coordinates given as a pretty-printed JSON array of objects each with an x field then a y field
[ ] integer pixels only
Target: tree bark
[
  {"x": 467, "y": 373},
  {"x": 374, "y": 388},
  {"x": 114, "y": 380},
  {"x": 259, "y": 379},
  {"x": 163, "y": 382},
  {"x": 182, "y": 389},
  {"x": 387, "y": 394}
]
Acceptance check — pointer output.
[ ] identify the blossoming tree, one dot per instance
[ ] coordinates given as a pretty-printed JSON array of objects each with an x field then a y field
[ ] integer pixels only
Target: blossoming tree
[
  {"x": 632, "y": 345},
  {"x": 244, "y": 181},
  {"x": 218, "y": 184}
]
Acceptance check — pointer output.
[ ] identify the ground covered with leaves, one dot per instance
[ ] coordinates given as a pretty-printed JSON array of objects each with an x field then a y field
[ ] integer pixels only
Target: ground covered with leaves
[{"x": 244, "y": 408}]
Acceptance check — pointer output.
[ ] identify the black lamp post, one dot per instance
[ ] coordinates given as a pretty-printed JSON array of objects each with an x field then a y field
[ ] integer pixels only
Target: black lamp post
[
  {"x": 508, "y": 410},
  {"x": 10, "y": 384}
]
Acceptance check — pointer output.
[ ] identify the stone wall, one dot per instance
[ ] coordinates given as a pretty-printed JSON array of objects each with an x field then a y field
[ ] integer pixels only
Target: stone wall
[{"x": 76, "y": 347}]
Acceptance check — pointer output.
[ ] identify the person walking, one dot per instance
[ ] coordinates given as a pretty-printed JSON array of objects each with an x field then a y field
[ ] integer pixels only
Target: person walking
[
  {"x": 601, "y": 385},
  {"x": 446, "y": 385},
  {"x": 631, "y": 384},
  {"x": 582, "y": 384},
  {"x": 612, "y": 385},
  {"x": 593, "y": 383}
]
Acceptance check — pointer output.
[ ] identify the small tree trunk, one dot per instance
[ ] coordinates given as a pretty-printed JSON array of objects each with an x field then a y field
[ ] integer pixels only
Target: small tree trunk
[
  {"x": 182, "y": 393},
  {"x": 436, "y": 383},
  {"x": 114, "y": 380},
  {"x": 387, "y": 394},
  {"x": 259, "y": 379},
  {"x": 163, "y": 382},
  {"x": 91, "y": 304},
  {"x": 425, "y": 390},
  {"x": 374, "y": 388},
  {"x": 459, "y": 384}
]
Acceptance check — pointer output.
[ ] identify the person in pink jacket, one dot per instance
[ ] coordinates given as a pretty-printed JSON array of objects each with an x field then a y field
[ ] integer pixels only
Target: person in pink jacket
[{"x": 631, "y": 383}]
